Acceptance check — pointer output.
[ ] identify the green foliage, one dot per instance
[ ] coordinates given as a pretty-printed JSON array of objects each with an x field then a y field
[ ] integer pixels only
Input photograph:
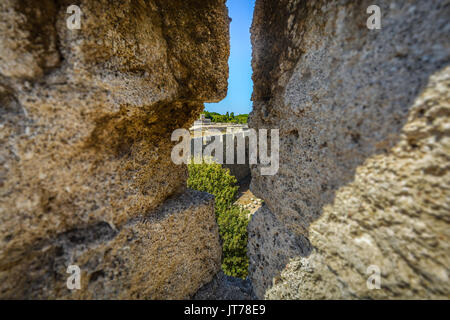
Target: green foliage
[
  {"x": 212, "y": 178},
  {"x": 227, "y": 118},
  {"x": 233, "y": 230},
  {"x": 242, "y": 118}
]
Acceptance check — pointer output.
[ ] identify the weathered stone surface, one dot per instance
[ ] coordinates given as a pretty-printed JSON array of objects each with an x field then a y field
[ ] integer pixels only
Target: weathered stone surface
[
  {"x": 167, "y": 254},
  {"x": 29, "y": 40},
  {"x": 364, "y": 144},
  {"x": 86, "y": 115},
  {"x": 224, "y": 287},
  {"x": 270, "y": 246}
]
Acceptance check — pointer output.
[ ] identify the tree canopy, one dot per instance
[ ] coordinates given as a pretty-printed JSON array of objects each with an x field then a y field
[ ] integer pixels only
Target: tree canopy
[{"x": 227, "y": 118}]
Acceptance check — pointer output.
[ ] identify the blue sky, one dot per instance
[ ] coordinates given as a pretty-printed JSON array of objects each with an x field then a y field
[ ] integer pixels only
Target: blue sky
[{"x": 240, "y": 83}]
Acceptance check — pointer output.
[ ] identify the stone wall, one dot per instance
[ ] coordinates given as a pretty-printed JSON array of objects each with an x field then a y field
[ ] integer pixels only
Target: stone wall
[
  {"x": 86, "y": 119},
  {"x": 364, "y": 149},
  {"x": 86, "y": 177}
]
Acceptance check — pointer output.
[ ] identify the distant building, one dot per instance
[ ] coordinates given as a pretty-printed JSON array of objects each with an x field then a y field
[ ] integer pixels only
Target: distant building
[
  {"x": 205, "y": 126},
  {"x": 202, "y": 121}
]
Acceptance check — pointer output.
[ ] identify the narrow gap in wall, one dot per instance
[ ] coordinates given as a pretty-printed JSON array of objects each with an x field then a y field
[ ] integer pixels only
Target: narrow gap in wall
[
  {"x": 230, "y": 182},
  {"x": 240, "y": 83}
]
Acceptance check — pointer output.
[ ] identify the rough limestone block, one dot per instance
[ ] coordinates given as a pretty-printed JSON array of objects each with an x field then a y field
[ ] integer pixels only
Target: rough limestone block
[
  {"x": 364, "y": 143},
  {"x": 87, "y": 115},
  {"x": 168, "y": 254},
  {"x": 270, "y": 246}
]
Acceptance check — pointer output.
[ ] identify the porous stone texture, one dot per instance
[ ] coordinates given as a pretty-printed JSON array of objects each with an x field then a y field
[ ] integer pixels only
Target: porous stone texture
[
  {"x": 86, "y": 120},
  {"x": 270, "y": 247},
  {"x": 224, "y": 287},
  {"x": 167, "y": 254},
  {"x": 364, "y": 150}
]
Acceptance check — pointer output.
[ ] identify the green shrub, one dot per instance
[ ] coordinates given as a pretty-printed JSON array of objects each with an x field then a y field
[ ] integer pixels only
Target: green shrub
[{"x": 212, "y": 178}]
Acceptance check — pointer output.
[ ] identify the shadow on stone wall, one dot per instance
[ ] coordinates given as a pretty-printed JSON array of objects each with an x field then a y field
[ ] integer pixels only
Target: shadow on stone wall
[{"x": 346, "y": 102}]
